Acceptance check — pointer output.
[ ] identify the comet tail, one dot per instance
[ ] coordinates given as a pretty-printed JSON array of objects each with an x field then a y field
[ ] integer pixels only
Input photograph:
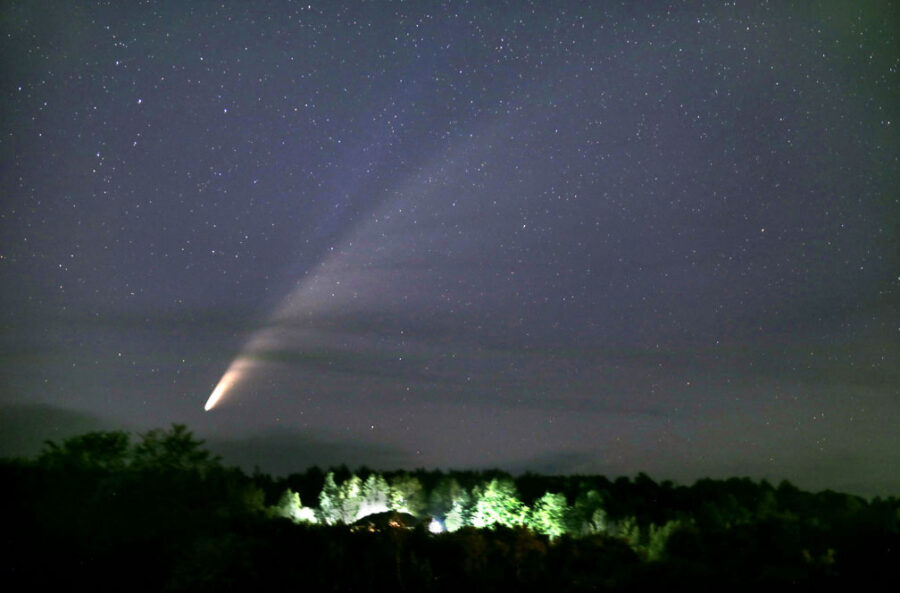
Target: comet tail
[{"x": 225, "y": 383}]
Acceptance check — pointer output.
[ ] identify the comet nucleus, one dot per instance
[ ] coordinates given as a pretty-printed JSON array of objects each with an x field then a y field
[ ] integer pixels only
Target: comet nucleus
[{"x": 231, "y": 376}]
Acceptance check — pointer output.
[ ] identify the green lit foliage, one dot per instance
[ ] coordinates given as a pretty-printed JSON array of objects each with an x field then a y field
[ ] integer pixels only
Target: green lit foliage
[
  {"x": 329, "y": 501},
  {"x": 659, "y": 538},
  {"x": 442, "y": 496},
  {"x": 351, "y": 498},
  {"x": 599, "y": 522},
  {"x": 498, "y": 504},
  {"x": 460, "y": 513},
  {"x": 99, "y": 508},
  {"x": 549, "y": 514},
  {"x": 629, "y": 530},
  {"x": 376, "y": 495},
  {"x": 407, "y": 495},
  {"x": 650, "y": 542},
  {"x": 354, "y": 499},
  {"x": 289, "y": 507},
  {"x": 588, "y": 515},
  {"x": 340, "y": 504}
]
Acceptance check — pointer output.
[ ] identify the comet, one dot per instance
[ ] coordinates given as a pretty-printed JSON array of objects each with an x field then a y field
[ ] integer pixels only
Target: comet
[
  {"x": 248, "y": 359},
  {"x": 234, "y": 373}
]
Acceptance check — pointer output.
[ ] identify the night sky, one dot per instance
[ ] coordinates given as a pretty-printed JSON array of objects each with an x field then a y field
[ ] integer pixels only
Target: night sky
[{"x": 565, "y": 237}]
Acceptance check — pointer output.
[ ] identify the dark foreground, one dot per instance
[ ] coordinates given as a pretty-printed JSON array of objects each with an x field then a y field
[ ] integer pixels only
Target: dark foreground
[{"x": 163, "y": 514}]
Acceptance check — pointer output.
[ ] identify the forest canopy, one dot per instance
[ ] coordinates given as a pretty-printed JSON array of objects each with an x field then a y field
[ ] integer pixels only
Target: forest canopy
[{"x": 104, "y": 504}]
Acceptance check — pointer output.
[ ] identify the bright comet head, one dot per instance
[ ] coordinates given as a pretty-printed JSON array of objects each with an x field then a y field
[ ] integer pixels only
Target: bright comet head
[{"x": 231, "y": 376}]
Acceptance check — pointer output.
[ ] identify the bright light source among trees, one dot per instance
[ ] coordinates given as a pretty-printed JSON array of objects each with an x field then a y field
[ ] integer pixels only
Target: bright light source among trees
[{"x": 289, "y": 507}]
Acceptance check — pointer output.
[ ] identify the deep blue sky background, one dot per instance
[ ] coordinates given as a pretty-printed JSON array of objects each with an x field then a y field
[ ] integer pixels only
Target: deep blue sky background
[{"x": 563, "y": 237}]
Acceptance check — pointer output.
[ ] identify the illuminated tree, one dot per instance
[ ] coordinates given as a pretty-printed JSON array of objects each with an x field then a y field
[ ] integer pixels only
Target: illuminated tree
[
  {"x": 441, "y": 498},
  {"x": 350, "y": 496},
  {"x": 459, "y": 515},
  {"x": 289, "y": 507},
  {"x": 329, "y": 500},
  {"x": 629, "y": 530},
  {"x": 659, "y": 538},
  {"x": 407, "y": 495},
  {"x": 497, "y": 503},
  {"x": 549, "y": 514},
  {"x": 599, "y": 522},
  {"x": 376, "y": 495},
  {"x": 340, "y": 504},
  {"x": 588, "y": 515}
]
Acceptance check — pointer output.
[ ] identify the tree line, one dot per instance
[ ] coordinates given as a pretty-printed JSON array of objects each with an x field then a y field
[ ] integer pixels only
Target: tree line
[{"x": 160, "y": 512}]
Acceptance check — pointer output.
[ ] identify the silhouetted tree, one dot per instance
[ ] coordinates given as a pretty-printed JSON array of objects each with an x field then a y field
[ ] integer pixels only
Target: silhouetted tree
[
  {"x": 173, "y": 449},
  {"x": 108, "y": 451}
]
